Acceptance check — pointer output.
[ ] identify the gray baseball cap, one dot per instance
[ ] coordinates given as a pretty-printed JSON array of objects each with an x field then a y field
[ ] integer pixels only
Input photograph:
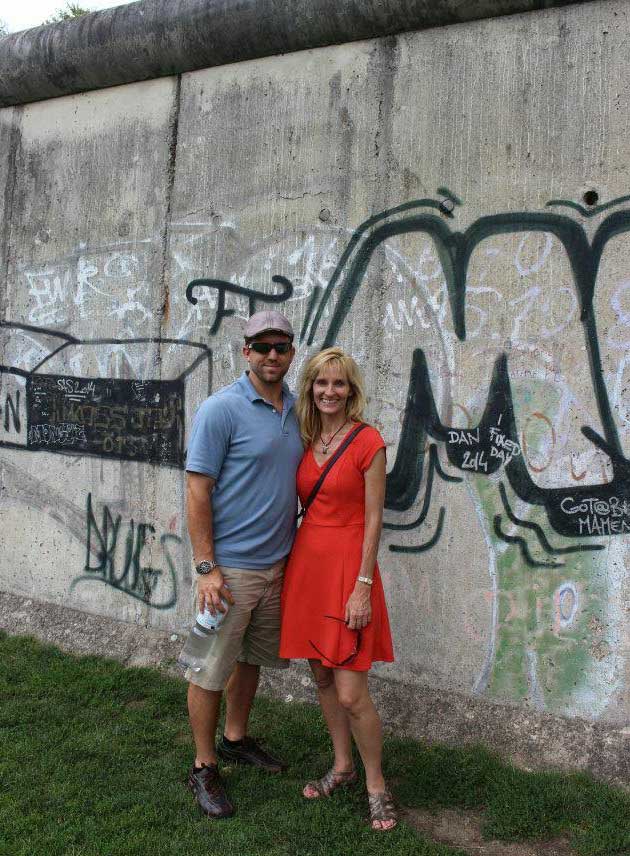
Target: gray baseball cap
[{"x": 268, "y": 321}]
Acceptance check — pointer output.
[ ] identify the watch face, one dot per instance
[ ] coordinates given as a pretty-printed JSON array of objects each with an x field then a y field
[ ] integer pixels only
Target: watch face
[{"x": 205, "y": 567}]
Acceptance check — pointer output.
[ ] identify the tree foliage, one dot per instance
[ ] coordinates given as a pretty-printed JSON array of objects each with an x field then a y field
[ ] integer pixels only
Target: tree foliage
[{"x": 66, "y": 13}]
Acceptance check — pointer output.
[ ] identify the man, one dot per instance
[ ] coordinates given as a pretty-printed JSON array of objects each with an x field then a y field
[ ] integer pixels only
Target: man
[{"x": 243, "y": 454}]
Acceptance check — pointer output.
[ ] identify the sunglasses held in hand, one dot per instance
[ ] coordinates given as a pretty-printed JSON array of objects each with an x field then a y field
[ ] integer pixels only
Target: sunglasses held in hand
[
  {"x": 355, "y": 650},
  {"x": 268, "y": 347}
]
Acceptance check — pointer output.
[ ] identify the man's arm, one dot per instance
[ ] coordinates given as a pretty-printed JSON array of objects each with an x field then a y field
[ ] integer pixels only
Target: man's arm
[
  {"x": 199, "y": 515},
  {"x": 210, "y": 587}
]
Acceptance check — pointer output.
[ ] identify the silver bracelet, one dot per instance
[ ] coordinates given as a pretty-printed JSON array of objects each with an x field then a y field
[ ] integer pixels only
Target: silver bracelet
[{"x": 365, "y": 580}]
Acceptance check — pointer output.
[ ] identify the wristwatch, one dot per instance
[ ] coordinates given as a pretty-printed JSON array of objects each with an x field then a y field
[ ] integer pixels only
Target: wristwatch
[{"x": 206, "y": 566}]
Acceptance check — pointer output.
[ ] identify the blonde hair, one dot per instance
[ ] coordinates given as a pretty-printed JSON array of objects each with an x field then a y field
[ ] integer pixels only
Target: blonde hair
[{"x": 307, "y": 413}]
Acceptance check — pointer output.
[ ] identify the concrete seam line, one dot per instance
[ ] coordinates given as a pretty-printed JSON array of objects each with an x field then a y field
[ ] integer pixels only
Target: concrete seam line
[
  {"x": 158, "y": 38},
  {"x": 170, "y": 183}
]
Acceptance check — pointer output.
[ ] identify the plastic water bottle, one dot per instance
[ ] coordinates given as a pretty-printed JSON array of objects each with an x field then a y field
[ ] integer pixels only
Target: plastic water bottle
[{"x": 197, "y": 645}]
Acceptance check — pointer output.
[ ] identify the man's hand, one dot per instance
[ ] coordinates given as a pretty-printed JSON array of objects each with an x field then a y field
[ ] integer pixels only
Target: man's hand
[
  {"x": 359, "y": 607},
  {"x": 210, "y": 589}
]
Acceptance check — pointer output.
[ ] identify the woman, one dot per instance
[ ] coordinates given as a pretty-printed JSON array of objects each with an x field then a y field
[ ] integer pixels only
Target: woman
[{"x": 333, "y": 607}]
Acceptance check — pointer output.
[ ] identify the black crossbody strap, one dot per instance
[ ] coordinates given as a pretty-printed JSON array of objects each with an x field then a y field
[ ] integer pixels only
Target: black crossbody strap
[{"x": 320, "y": 481}]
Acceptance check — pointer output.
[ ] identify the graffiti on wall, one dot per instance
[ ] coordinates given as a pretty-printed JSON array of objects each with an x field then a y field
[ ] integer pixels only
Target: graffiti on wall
[
  {"x": 115, "y": 557},
  {"x": 132, "y": 419},
  {"x": 95, "y": 398},
  {"x": 493, "y": 443},
  {"x": 128, "y": 419},
  {"x": 592, "y": 510}
]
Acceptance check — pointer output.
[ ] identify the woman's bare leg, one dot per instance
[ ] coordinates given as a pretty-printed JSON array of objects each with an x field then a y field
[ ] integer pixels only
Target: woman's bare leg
[
  {"x": 365, "y": 723},
  {"x": 336, "y": 720}
]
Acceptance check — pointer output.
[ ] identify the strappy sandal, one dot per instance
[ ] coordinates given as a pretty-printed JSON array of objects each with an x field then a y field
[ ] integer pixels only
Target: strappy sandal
[
  {"x": 382, "y": 808},
  {"x": 330, "y": 782}
]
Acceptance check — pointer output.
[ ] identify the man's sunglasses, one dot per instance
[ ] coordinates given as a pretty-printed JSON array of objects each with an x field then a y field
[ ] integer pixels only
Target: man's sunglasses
[{"x": 268, "y": 347}]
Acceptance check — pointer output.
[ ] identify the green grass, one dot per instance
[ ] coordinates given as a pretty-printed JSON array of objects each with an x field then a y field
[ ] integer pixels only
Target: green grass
[
  {"x": 517, "y": 805},
  {"x": 94, "y": 759}
]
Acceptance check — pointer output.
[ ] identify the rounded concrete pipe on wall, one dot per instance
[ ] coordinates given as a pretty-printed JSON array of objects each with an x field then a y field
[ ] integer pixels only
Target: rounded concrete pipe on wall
[{"x": 155, "y": 38}]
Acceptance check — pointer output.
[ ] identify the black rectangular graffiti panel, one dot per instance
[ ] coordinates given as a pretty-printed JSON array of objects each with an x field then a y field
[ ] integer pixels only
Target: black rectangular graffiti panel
[{"x": 127, "y": 419}]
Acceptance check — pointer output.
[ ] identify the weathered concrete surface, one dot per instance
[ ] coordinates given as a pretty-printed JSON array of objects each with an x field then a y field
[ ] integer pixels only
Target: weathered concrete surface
[
  {"x": 153, "y": 38},
  {"x": 76, "y": 237},
  {"x": 79, "y": 632},
  {"x": 431, "y": 200},
  {"x": 530, "y": 739}
]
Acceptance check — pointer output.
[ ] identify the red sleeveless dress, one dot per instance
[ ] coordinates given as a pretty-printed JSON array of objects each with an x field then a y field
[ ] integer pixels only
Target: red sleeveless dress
[{"x": 324, "y": 565}]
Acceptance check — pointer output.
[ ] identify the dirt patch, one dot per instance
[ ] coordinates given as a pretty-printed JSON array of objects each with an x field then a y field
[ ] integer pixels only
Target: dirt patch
[
  {"x": 136, "y": 704},
  {"x": 462, "y": 829},
  {"x": 183, "y": 738}
]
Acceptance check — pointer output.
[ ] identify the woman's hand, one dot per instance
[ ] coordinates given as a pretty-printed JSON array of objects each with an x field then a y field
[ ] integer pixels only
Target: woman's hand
[{"x": 359, "y": 607}]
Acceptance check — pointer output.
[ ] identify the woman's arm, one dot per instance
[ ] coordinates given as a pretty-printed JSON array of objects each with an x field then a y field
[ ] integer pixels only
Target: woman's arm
[{"x": 358, "y": 607}]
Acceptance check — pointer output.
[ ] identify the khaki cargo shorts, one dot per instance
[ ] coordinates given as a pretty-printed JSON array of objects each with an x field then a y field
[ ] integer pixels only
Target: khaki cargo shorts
[{"x": 250, "y": 632}]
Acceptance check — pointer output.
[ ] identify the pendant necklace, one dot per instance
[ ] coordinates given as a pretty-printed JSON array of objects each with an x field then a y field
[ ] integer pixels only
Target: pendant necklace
[{"x": 326, "y": 445}]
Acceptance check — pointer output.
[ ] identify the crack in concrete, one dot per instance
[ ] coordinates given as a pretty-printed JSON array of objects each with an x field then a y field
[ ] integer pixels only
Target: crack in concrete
[{"x": 306, "y": 193}]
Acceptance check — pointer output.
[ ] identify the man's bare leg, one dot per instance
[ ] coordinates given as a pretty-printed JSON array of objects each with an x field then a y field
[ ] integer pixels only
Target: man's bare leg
[
  {"x": 205, "y": 783},
  {"x": 240, "y": 693},
  {"x": 203, "y": 711}
]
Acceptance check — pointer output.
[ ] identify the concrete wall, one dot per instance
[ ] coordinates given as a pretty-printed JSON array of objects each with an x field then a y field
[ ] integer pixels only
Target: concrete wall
[{"x": 451, "y": 206}]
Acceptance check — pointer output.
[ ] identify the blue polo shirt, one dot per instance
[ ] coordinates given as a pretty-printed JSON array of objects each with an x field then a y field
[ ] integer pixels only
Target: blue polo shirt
[{"x": 252, "y": 452}]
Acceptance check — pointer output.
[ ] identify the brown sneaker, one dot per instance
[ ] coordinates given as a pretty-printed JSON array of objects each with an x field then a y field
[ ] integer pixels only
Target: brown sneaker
[
  {"x": 209, "y": 792},
  {"x": 250, "y": 752}
]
